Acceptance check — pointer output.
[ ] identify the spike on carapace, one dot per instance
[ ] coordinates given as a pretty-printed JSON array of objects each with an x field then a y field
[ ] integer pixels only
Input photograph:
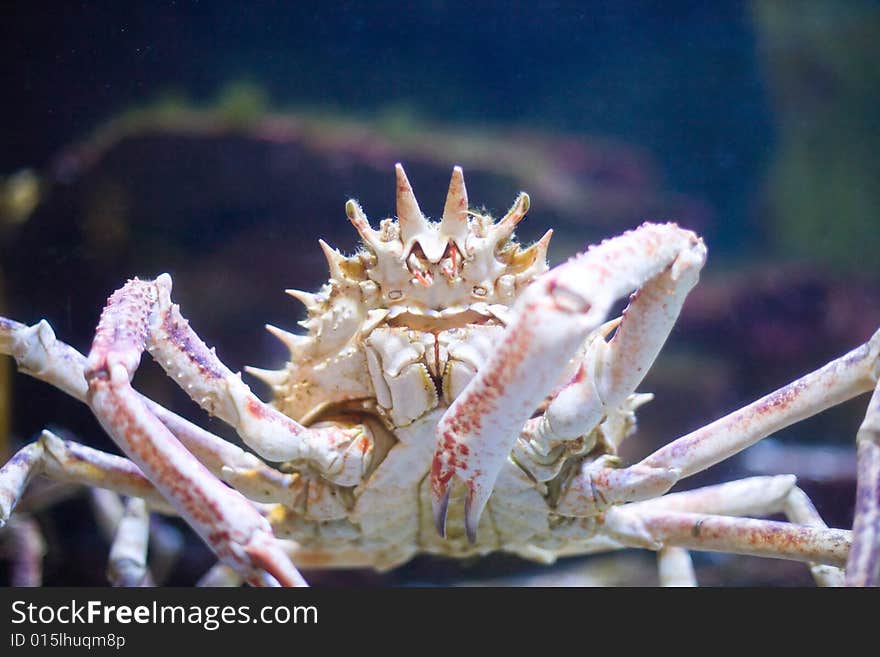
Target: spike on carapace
[
  {"x": 273, "y": 378},
  {"x": 334, "y": 261},
  {"x": 359, "y": 220},
  {"x": 414, "y": 227},
  {"x": 294, "y": 343},
  {"x": 309, "y": 300},
  {"x": 399, "y": 258},
  {"x": 532, "y": 261},
  {"x": 454, "y": 223},
  {"x": 410, "y": 219},
  {"x": 516, "y": 214}
]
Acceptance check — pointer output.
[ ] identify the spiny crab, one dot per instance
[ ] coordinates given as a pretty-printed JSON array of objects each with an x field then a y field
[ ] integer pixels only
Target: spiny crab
[{"x": 451, "y": 396}]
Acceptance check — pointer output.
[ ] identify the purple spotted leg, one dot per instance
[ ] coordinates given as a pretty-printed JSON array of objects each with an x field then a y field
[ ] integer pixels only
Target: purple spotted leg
[{"x": 225, "y": 519}]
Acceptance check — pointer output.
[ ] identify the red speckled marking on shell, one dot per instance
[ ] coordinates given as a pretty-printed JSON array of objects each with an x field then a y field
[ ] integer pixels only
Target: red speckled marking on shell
[
  {"x": 769, "y": 405},
  {"x": 444, "y": 464},
  {"x": 219, "y": 514},
  {"x": 466, "y": 421},
  {"x": 256, "y": 409},
  {"x": 140, "y": 445},
  {"x": 480, "y": 399},
  {"x": 260, "y": 411},
  {"x": 749, "y": 536},
  {"x": 222, "y": 516}
]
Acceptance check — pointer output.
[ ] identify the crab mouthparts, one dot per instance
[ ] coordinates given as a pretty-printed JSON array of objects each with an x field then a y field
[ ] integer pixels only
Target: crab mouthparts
[{"x": 432, "y": 321}]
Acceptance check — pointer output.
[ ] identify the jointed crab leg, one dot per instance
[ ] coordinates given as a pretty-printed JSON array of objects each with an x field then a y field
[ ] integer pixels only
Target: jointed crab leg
[
  {"x": 64, "y": 460},
  {"x": 241, "y": 469},
  {"x": 166, "y": 541},
  {"x": 107, "y": 475},
  {"x": 751, "y": 496},
  {"x": 39, "y": 353},
  {"x": 704, "y": 519},
  {"x": 222, "y": 516},
  {"x": 109, "y": 509},
  {"x": 649, "y": 528},
  {"x": 550, "y": 322},
  {"x": 340, "y": 454},
  {"x": 675, "y": 567},
  {"x": 128, "y": 553},
  {"x": 755, "y": 496},
  {"x": 863, "y": 567},
  {"x": 220, "y": 575},
  {"x": 597, "y": 487},
  {"x": 25, "y": 546}
]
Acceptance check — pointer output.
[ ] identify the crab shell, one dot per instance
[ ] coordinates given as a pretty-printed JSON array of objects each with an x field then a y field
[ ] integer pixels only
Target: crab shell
[{"x": 394, "y": 336}]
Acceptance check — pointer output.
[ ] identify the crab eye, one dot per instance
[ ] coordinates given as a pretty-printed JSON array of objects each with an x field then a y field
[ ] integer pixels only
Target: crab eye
[
  {"x": 394, "y": 295},
  {"x": 479, "y": 291}
]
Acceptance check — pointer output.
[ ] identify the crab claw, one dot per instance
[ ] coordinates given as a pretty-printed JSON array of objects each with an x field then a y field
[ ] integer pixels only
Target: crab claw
[
  {"x": 275, "y": 566},
  {"x": 445, "y": 465},
  {"x": 479, "y": 429},
  {"x": 440, "y": 492},
  {"x": 550, "y": 322}
]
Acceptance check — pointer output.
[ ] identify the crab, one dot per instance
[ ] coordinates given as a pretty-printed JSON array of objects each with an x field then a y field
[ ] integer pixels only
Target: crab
[{"x": 452, "y": 395}]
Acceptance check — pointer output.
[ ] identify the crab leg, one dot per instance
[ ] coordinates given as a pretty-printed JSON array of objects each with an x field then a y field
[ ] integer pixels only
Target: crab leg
[
  {"x": 220, "y": 515},
  {"x": 550, "y": 322},
  {"x": 340, "y": 454},
  {"x": 63, "y": 460},
  {"x": 166, "y": 541},
  {"x": 675, "y": 567},
  {"x": 611, "y": 371},
  {"x": 597, "y": 486},
  {"x": 863, "y": 567},
  {"x": 128, "y": 553},
  {"x": 230, "y": 525},
  {"x": 220, "y": 575},
  {"x": 109, "y": 511},
  {"x": 755, "y": 496},
  {"x": 27, "y": 548},
  {"x": 40, "y": 354},
  {"x": 69, "y": 461},
  {"x": 238, "y": 468},
  {"x": 653, "y": 529}
]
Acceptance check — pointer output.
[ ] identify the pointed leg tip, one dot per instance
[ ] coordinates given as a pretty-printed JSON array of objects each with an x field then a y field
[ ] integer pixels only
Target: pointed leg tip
[
  {"x": 470, "y": 530},
  {"x": 472, "y": 513},
  {"x": 267, "y": 555},
  {"x": 441, "y": 506}
]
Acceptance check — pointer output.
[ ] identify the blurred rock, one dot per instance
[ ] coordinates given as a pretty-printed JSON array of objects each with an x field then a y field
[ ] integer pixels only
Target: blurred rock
[
  {"x": 822, "y": 196},
  {"x": 774, "y": 323}
]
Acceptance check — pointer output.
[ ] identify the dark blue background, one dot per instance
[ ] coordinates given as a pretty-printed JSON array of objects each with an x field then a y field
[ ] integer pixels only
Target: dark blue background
[{"x": 679, "y": 79}]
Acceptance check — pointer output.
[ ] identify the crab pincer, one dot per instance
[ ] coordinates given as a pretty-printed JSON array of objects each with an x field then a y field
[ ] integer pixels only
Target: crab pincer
[{"x": 551, "y": 321}]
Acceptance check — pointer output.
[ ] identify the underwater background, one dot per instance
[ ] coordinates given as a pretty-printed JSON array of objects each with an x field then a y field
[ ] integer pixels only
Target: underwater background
[{"x": 219, "y": 140}]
